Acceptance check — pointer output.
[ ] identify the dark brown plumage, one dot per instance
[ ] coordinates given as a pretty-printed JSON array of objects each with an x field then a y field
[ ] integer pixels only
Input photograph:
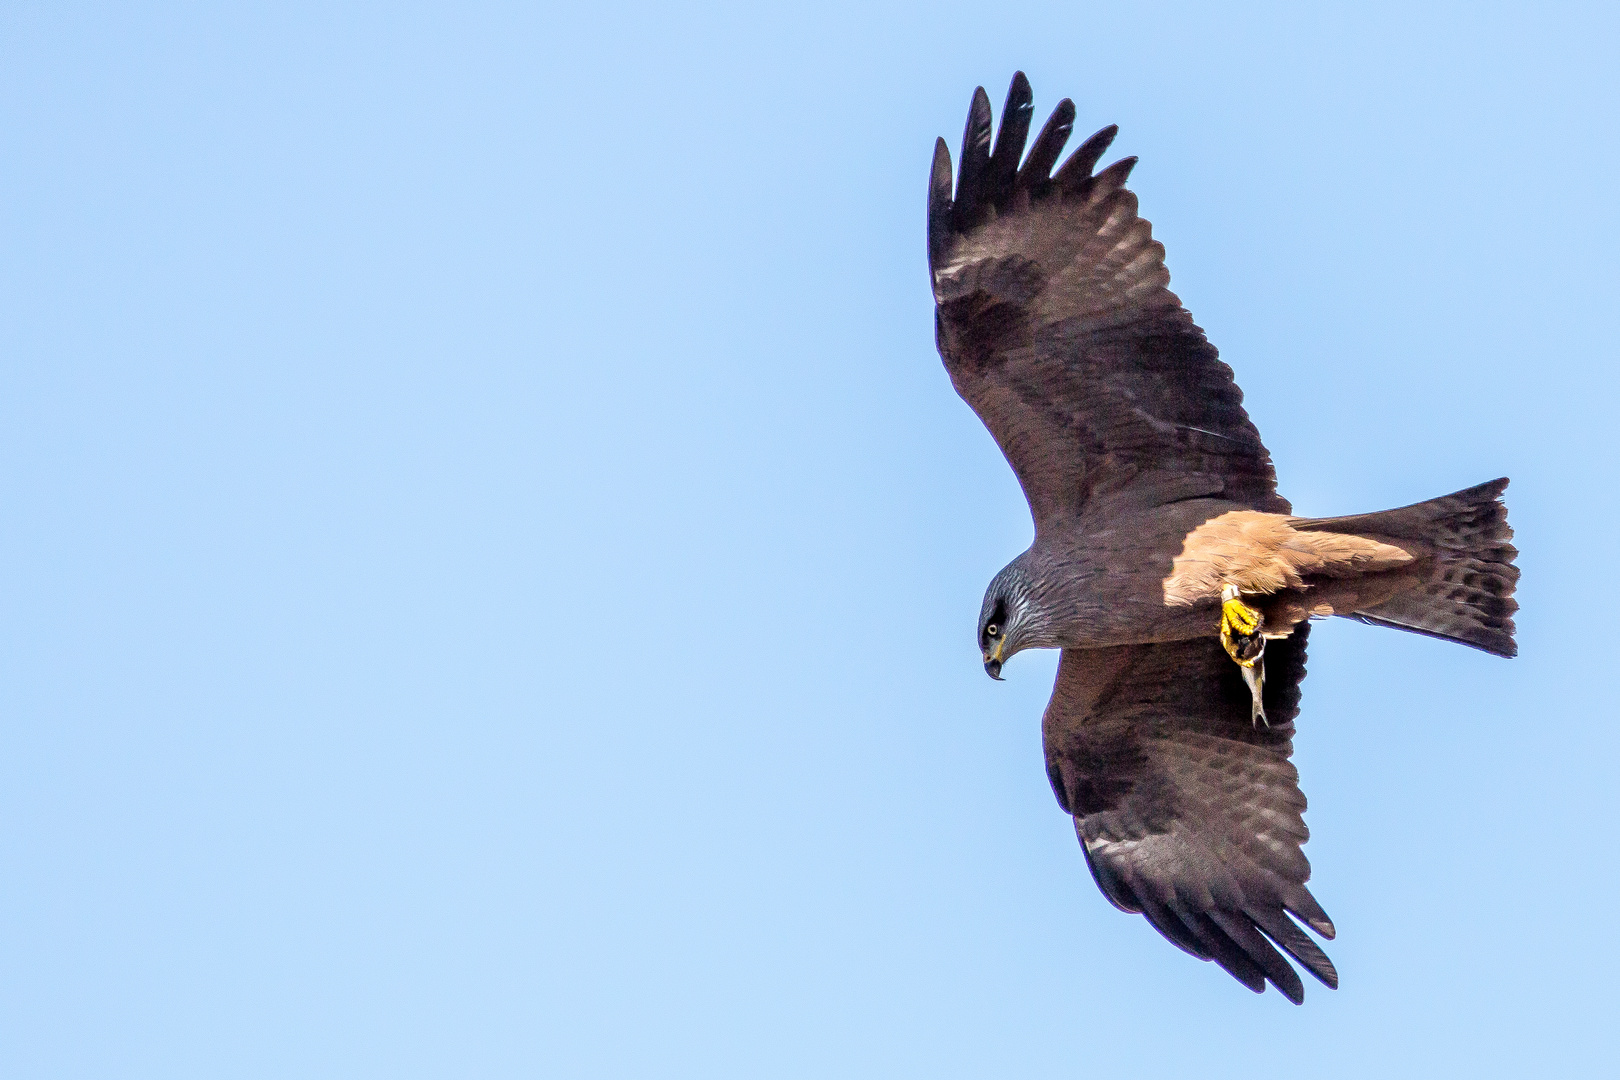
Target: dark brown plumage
[
  {"x": 1186, "y": 811},
  {"x": 1058, "y": 326},
  {"x": 1153, "y": 497}
]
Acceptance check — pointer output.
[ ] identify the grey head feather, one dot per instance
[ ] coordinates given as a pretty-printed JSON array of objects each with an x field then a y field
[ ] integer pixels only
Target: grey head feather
[{"x": 1012, "y": 602}]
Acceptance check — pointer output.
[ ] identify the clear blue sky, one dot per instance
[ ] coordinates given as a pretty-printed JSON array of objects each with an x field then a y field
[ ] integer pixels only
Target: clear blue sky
[{"x": 491, "y": 554}]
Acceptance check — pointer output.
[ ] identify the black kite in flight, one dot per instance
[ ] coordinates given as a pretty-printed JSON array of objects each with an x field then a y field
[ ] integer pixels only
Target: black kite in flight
[{"x": 1165, "y": 565}]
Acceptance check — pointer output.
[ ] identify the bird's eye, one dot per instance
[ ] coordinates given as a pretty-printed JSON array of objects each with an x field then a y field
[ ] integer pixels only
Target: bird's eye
[{"x": 992, "y": 630}]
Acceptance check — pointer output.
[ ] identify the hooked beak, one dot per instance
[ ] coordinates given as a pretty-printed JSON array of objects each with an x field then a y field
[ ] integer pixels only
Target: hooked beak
[{"x": 992, "y": 660}]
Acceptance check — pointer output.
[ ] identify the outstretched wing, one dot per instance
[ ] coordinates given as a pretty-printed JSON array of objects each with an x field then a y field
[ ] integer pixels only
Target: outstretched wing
[
  {"x": 1187, "y": 812},
  {"x": 1055, "y": 320}
]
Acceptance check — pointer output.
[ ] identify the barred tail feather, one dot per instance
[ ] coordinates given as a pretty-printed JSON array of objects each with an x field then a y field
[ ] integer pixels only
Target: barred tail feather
[{"x": 1466, "y": 593}]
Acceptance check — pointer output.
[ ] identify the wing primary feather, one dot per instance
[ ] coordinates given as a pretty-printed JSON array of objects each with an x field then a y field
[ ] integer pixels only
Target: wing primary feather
[
  {"x": 1015, "y": 118},
  {"x": 1049, "y": 144},
  {"x": 1304, "y": 905},
  {"x": 1167, "y": 923},
  {"x": 1077, "y": 170},
  {"x": 1233, "y": 958},
  {"x": 975, "y": 160},
  {"x": 1258, "y": 949},
  {"x": 1114, "y": 176},
  {"x": 1294, "y": 941},
  {"x": 939, "y": 201}
]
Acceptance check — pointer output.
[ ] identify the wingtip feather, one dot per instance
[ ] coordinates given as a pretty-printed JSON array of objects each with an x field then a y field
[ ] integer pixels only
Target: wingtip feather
[
  {"x": 1077, "y": 170},
  {"x": 939, "y": 202},
  {"x": 976, "y": 134},
  {"x": 1296, "y": 943},
  {"x": 975, "y": 159},
  {"x": 939, "y": 178},
  {"x": 1116, "y": 174},
  {"x": 1238, "y": 929},
  {"x": 1048, "y": 146},
  {"x": 1015, "y": 118}
]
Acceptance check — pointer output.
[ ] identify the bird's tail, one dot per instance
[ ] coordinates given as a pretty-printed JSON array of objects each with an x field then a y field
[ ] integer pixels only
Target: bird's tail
[{"x": 1467, "y": 577}]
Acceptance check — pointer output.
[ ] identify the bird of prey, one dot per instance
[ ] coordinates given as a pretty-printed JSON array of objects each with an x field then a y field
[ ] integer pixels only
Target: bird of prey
[{"x": 1165, "y": 565}]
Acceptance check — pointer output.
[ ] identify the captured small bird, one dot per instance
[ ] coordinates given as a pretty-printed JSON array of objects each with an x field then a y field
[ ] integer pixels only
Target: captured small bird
[{"x": 1165, "y": 565}]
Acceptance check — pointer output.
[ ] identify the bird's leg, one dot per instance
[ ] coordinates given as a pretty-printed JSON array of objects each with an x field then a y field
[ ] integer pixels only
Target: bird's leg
[{"x": 1244, "y": 642}]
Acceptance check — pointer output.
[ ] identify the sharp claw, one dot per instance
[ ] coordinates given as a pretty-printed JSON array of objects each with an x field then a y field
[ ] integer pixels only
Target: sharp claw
[{"x": 1238, "y": 616}]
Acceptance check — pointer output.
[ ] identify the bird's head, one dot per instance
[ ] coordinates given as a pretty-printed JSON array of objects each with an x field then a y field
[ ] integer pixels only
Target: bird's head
[{"x": 1006, "y": 618}]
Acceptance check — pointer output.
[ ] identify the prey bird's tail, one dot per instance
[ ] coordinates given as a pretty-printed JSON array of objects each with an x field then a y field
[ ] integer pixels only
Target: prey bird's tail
[{"x": 1465, "y": 572}]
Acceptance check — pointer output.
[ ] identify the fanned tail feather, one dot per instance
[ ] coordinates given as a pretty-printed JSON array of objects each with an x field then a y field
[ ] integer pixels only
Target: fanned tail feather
[{"x": 1466, "y": 594}]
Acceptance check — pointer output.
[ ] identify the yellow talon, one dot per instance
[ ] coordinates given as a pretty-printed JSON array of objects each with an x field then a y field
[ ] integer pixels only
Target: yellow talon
[
  {"x": 1240, "y": 628},
  {"x": 1243, "y": 642}
]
